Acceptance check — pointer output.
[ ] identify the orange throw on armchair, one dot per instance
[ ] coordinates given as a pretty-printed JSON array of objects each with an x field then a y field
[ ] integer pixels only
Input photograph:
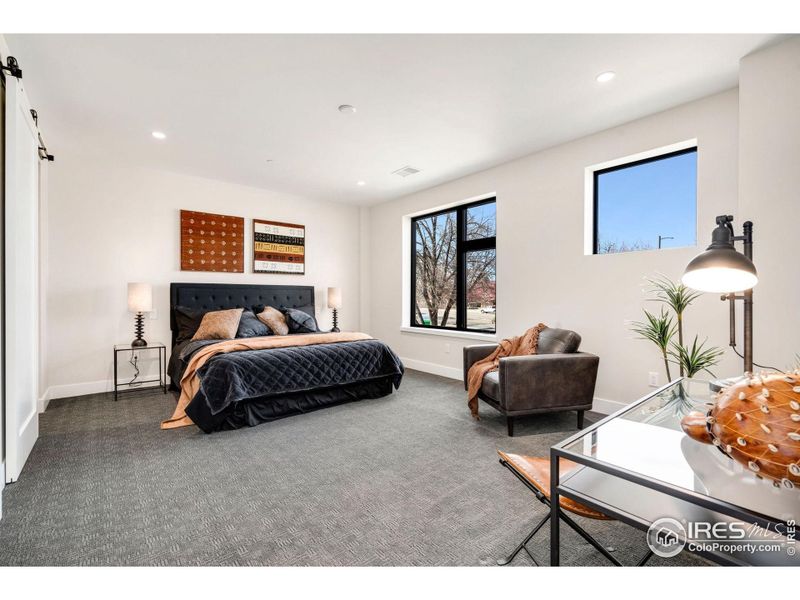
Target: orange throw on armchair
[{"x": 522, "y": 345}]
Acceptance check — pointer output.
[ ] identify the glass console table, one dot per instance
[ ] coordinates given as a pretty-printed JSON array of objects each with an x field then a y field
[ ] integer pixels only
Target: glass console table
[
  {"x": 136, "y": 383},
  {"x": 638, "y": 466}
]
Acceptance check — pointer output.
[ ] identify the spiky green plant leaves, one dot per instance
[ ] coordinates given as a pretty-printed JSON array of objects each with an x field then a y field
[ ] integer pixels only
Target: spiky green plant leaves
[
  {"x": 659, "y": 329},
  {"x": 695, "y": 358}
]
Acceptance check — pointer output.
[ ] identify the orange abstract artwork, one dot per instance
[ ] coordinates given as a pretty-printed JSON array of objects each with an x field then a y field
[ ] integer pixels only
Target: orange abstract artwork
[{"x": 212, "y": 242}]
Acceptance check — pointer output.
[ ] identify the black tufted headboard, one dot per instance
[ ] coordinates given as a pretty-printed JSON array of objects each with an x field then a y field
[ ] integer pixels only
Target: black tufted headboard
[{"x": 218, "y": 296}]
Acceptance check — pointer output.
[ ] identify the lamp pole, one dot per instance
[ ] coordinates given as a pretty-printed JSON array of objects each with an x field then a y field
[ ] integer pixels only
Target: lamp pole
[
  {"x": 747, "y": 300},
  {"x": 663, "y": 237},
  {"x": 747, "y": 238}
]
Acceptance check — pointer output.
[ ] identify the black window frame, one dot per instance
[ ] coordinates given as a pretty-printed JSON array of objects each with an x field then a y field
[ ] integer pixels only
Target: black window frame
[
  {"x": 463, "y": 246},
  {"x": 628, "y": 165}
]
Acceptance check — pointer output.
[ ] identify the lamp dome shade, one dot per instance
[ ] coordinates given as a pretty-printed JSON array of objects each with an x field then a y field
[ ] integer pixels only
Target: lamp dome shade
[
  {"x": 334, "y": 297},
  {"x": 720, "y": 270},
  {"x": 140, "y": 297}
]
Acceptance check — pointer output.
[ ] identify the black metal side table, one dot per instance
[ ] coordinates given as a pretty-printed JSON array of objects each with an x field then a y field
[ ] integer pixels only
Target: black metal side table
[{"x": 136, "y": 383}]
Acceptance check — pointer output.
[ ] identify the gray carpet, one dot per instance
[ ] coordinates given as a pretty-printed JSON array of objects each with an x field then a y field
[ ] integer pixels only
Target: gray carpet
[{"x": 409, "y": 479}]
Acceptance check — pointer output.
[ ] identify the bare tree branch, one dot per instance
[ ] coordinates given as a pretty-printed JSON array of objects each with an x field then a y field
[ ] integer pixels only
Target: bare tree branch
[{"x": 436, "y": 264}]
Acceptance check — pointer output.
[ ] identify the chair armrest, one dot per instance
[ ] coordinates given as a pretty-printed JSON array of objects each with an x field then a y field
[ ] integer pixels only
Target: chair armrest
[
  {"x": 473, "y": 354},
  {"x": 542, "y": 381}
]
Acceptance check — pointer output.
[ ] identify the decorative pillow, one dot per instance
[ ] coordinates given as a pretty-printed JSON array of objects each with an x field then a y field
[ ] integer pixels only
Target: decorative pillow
[
  {"x": 250, "y": 326},
  {"x": 274, "y": 319},
  {"x": 188, "y": 321},
  {"x": 300, "y": 321},
  {"x": 219, "y": 325}
]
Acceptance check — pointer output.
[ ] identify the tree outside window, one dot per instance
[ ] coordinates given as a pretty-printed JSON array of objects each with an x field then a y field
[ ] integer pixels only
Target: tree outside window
[{"x": 454, "y": 268}]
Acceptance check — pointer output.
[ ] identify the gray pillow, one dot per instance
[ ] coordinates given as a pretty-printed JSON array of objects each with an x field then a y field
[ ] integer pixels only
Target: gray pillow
[
  {"x": 299, "y": 321},
  {"x": 250, "y": 326}
]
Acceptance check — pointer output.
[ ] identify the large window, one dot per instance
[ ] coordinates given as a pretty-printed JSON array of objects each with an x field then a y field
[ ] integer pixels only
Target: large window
[
  {"x": 646, "y": 205},
  {"x": 453, "y": 268}
]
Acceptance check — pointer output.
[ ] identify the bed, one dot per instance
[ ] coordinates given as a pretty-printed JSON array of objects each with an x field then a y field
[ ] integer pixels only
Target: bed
[{"x": 250, "y": 387}]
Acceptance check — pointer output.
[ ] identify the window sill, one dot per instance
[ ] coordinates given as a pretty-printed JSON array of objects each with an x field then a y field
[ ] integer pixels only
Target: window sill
[{"x": 467, "y": 335}]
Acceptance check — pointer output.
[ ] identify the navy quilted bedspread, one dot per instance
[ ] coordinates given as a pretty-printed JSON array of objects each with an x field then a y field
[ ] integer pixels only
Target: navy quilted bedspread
[{"x": 236, "y": 376}]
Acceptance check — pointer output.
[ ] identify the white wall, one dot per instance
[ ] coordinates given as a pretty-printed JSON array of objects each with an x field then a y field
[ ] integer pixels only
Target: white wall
[
  {"x": 769, "y": 194},
  {"x": 542, "y": 272},
  {"x": 109, "y": 225}
]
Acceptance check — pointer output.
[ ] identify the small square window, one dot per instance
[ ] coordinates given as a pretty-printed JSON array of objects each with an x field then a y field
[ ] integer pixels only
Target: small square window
[{"x": 648, "y": 204}]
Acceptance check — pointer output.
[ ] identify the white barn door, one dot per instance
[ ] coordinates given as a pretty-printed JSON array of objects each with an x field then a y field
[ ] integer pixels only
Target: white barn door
[{"x": 21, "y": 279}]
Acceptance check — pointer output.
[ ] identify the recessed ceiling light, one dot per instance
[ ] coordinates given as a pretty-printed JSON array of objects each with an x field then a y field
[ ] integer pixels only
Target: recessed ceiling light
[
  {"x": 607, "y": 76},
  {"x": 346, "y": 108},
  {"x": 361, "y": 183},
  {"x": 159, "y": 135}
]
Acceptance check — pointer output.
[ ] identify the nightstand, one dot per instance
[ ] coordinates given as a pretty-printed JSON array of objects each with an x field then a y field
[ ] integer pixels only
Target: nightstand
[{"x": 136, "y": 384}]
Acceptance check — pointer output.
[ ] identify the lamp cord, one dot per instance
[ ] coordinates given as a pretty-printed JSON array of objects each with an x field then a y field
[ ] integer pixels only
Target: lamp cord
[
  {"x": 755, "y": 364},
  {"x": 134, "y": 361}
]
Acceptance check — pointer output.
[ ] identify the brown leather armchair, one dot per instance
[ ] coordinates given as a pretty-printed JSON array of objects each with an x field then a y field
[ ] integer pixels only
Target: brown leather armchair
[{"x": 557, "y": 378}]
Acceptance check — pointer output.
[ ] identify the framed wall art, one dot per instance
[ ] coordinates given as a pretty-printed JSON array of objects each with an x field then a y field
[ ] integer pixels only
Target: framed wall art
[
  {"x": 279, "y": 247},
  {"x": 211, "y": 242}
]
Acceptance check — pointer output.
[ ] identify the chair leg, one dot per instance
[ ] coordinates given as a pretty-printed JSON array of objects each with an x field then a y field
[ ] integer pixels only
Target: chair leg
[
  {"x": 580, "y": 419},
  {"x": 510, "y": 424},
  {"x": 572, "y": 524},
  {"x": 512, "y": 556}
]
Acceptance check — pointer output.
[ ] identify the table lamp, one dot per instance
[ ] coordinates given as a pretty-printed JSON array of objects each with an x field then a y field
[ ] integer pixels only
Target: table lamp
[
  {"x": 335, "y": 302},
  {"x": 722, "y": 269},
  {"x": 140, "y": 300}
]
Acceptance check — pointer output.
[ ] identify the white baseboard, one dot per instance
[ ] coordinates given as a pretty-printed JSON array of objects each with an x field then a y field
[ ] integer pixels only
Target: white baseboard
[
  {"x": 73, "y": 389},
  {"x": 433, "y": 368},
  {"x": 607, "y": 407},
  {"x": 69, "y": 390},
  {"x": 44, "y": 401},
  {"x": 2, "y": 485}
]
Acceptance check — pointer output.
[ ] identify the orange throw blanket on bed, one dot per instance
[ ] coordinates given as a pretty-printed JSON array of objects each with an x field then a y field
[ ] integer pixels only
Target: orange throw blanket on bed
[
  {"x": 190, "y": 382},
  {"x": 522, "y": 345}
]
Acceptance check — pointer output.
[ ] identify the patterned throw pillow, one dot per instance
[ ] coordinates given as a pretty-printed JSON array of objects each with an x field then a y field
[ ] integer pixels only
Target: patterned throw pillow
[
  {"x": 219, "y": 325},
  {"x": 274, "y": 319},
  {"x": 250, "y": 326},
  {"x": 300, "y": 321}
]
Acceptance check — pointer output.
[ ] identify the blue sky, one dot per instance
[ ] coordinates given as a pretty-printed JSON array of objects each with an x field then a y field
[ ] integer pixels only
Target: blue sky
[{"x": 640, "y": 203}]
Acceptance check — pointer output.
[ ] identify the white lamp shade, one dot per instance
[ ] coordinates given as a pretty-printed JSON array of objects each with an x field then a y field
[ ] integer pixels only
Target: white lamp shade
[
  {"x": 334, "y": 297},
  {"x": 140, "y": 297},
  {"x": 719, "y": 280}
]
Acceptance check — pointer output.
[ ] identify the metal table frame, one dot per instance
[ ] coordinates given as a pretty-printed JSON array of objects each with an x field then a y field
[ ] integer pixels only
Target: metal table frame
[
  {"x": 162, "y": 369},
  {"x": 559, "y": 451}
]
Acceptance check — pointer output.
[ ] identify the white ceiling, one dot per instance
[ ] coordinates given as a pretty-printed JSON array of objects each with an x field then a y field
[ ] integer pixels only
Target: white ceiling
[{"x": 448, "y": 105}]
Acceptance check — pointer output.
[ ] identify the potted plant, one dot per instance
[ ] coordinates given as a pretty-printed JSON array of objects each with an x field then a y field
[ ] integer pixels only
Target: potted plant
[{"x": 661, "y": 329}]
